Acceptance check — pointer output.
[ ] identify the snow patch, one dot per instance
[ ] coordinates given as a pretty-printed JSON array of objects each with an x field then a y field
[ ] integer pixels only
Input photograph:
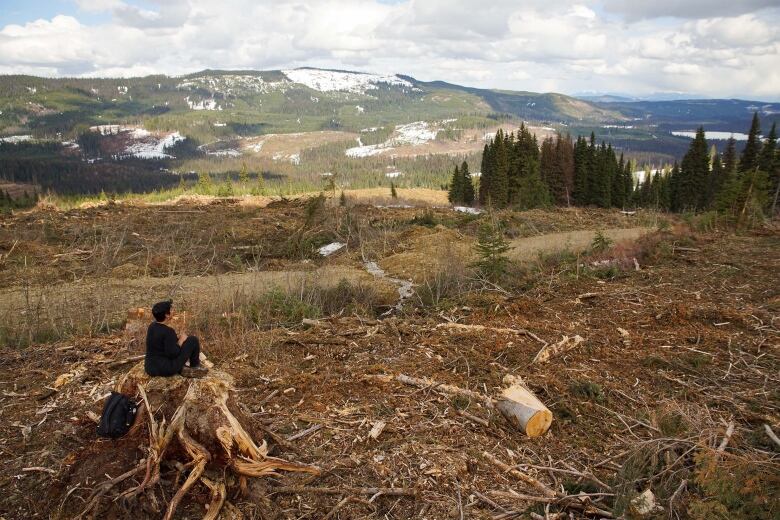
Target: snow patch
[
  {"x": 233, "y": 84},
  {"x": 293, "y": 158},
  {"x": 228, "y": 152},
  {"x": 467, "y": 209},
  {"x": 153, "y": 147},
  {"x": 366, "y": 151},
  {"x": 713, "y": 135},
  {"x": 330, "y": 248},
  {"x": 414, "y": 134},
  {"x": 394, "y": 175},
  {"x": 354, "y": 82},
  {"x": 205, "y": 104},
  {"x": 13, "y": 139}
]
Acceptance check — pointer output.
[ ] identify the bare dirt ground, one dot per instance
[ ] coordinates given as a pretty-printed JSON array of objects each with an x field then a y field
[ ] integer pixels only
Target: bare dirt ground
[{"x": 674, "y": 355}]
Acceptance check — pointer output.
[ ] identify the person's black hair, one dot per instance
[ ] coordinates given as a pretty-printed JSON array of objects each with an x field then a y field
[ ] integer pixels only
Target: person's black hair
[{"x": 161, "y": 309}]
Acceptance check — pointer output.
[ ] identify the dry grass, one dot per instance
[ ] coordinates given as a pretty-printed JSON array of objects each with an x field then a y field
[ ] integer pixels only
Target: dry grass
[
  {"x": 529, "y": 248},
  {"x": 87, "y": 307}
]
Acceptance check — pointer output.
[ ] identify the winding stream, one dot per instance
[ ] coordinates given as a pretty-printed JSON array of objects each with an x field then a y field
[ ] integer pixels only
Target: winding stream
[{"x": 405, "y": 290}]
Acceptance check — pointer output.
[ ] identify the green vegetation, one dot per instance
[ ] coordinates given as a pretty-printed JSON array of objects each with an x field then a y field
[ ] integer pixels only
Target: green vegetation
[{"x": 492, "y": 247}]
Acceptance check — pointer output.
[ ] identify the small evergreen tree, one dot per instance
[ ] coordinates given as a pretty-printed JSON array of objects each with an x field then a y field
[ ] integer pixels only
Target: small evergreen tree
[
  {"x": 752, "y": 150},
  {"x": 467, "y": 185},
  {"x": 393, "y": 193},
  {"x": 243, "y": 175},
  {"x": 491, "y": 247},
  {"x": 455, "y": 195},
  {"x": 342, "y": 199},
  {"x": 226, "y": 189},
  {"x": 694, "y": 175},
  {"x": 204, "y": 183}
]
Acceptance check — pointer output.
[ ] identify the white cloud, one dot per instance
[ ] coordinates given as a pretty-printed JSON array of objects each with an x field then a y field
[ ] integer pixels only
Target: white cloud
[
  {"x": 98, "y": 5},
  {"x": 723, "y": 49}
]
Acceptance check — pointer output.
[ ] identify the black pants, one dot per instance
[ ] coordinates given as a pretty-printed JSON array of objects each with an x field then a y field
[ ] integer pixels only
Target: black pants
[{"x": 160, "y": 366}]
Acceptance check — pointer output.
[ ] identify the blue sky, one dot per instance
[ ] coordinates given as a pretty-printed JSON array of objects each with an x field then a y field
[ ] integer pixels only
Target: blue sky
[{"x": 716, "y": 48}]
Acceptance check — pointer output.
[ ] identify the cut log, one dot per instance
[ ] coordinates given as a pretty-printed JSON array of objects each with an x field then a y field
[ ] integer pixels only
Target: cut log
[
  {"x": 482, "y": 328},
  {"x": 565, "y": 345},
  {"x": 523, "y": 409},
  {"x": 433, "y": 385},
  {"x": 517, "y": 403}
]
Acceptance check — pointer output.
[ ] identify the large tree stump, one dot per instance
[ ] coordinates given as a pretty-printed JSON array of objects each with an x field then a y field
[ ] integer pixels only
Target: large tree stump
[{"x": 200, "y": 419}]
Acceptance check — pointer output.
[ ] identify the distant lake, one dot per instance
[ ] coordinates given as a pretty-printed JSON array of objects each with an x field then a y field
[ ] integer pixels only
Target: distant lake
[{"x": 715, "y": 136}]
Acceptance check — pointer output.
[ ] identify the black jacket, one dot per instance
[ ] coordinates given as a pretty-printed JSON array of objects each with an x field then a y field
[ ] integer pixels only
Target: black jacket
[{"x": 162, "y": 346}]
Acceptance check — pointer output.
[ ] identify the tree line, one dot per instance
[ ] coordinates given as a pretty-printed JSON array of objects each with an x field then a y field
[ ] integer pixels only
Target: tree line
[
  {"x": 740, "y": 185},
  {"x": 75, "y": 177},
  {"x": 518, "y": 173}
]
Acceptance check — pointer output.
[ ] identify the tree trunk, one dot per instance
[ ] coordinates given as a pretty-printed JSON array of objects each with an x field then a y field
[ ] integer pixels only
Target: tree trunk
[{"x": 523, "y": 409}]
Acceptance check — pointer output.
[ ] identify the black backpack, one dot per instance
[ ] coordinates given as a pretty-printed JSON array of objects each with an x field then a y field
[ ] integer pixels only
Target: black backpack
[{"x": 118, "y": 416}]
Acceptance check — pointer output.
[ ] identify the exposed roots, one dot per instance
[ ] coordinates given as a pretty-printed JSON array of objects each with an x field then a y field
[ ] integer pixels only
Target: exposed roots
[{"x": 202, "y": 426}]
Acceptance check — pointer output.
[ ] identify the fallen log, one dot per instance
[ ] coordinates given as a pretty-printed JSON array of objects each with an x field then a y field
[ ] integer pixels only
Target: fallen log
[
  {"x": 771, "y": 435},
  {"x": 481, "y": 328},
  {"x": 522, "y": 477},
  {"x": 300, "y": 490},
  {"x": 565, "y": 345},
  {"x": 517, "y": 403},
  {"x": 433, "y": 385}
]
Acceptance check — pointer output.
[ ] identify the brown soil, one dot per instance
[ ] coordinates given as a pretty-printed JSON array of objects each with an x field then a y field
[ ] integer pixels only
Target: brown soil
[{"x": 701, "y": 347}]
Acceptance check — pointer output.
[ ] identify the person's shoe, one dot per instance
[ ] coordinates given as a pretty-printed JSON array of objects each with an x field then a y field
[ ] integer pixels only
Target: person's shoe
[{"x": 194, "y": 372}]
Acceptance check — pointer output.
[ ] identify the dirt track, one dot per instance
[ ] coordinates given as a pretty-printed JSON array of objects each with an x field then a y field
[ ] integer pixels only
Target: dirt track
[{"x": 529, "y": 248}]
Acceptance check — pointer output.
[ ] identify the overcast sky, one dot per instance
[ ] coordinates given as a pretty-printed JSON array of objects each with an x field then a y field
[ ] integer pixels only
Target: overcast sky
[{"x": 716, "y": 48}]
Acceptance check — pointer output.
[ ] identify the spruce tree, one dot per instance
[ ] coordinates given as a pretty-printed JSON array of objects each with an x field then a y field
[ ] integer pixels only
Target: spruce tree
[
  {"x": 491, "y": 248},
  {"x": 770, "y": 164},
  {"x": 467, "y": 185},
  {"x": 486, "y": 178},
  {"x": 675, "y": 200},
  {"x": 694, "y": 175},
  {"x": 628, "y": 181},
  {"x": 717, "y": 178},
  {"x": 500, "y": 182},
  {"x": 593, "y": 171},
  {"x": 455, "y": 195},
  {"x": 730, "y": 157},
  {"x": 618, "y": 185},
  {"x": 581, "y": 169},
  {"x": 752, "y": 150},
  {"x": 556, "y": 168},
  {"x": 602, "y": 176},
  {"x": 663, "y": 191},
  {"x": 393, "y": 192}
]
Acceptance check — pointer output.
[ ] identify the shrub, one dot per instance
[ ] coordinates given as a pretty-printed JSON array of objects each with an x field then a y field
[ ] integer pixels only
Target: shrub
[
  {"x": 427, "y": 219},
  {"x": 587, "y": 390},
  {"x": 600, "y": 243}
]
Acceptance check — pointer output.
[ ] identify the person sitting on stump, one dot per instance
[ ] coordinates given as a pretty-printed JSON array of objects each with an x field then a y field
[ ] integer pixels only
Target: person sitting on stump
[{"x": 168, "y": 352}]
